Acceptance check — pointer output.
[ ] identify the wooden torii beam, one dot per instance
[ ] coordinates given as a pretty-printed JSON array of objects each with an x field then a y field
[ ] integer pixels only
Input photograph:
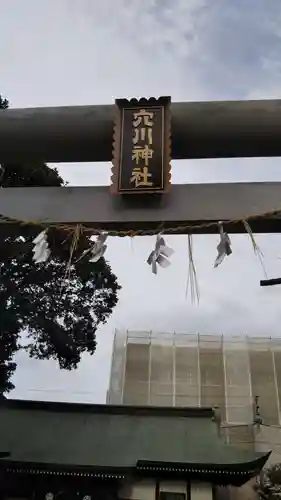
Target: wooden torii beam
[
  {"x": 84, "y": 133},
  {"x": 186, "y": 205},
  {"x": 199, "y": 130}
]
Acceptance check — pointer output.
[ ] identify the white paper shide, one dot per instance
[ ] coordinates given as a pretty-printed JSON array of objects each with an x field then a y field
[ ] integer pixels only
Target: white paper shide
[
  {"x": 160, "y": 255},
  {"x": 41, "y": 251},
  {"x": 224, "y": 246}
]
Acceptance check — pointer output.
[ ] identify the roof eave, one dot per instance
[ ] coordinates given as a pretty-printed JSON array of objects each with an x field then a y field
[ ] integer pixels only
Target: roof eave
[
  {"x": 241, "y": 472},
  {"x": 237, "y": 473},
  {"x": 46, "y": 469}
]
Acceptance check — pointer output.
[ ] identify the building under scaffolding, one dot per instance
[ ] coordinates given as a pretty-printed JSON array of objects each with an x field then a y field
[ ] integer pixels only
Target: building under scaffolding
[{"x": 200, "y": 370}]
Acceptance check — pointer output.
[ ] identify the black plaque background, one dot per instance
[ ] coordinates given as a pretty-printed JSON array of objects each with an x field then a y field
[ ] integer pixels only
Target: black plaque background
[{"x": 156, "y": 163}]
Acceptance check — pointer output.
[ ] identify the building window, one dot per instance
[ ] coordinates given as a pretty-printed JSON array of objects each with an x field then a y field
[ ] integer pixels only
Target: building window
[{"x": 170, "y": 495}]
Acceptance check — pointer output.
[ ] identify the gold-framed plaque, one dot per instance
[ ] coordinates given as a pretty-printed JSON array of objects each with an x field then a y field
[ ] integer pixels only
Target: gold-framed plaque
[{"x": 141, "y": 146}]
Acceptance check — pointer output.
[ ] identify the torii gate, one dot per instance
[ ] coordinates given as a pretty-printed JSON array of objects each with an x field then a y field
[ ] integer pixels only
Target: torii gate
[{"x": 199, "y": 130}]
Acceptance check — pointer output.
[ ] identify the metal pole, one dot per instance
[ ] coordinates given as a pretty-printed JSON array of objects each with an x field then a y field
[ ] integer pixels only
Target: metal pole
[{"x": 271, "y": 282}]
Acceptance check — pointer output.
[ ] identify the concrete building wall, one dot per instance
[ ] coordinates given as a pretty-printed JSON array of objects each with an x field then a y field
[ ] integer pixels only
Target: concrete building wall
[
  {"x": 175, "y": 369},
  {"x": 202, "y": 370}
]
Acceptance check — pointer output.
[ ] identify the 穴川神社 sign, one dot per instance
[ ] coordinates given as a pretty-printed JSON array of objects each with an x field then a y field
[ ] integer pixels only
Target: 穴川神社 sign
[{"x": 142, "y": 146}]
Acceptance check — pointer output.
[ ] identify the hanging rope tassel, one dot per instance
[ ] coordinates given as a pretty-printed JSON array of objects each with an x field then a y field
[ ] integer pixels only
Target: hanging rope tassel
[{"x": 192, "y": 283}]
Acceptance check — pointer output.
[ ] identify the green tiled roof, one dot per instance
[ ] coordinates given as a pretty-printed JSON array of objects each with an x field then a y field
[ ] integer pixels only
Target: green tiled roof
[{"x": 109, "y": 436}]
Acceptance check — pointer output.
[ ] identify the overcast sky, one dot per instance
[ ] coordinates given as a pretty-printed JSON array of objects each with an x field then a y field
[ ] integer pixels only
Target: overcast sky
[{"x": 69, "y": 52}]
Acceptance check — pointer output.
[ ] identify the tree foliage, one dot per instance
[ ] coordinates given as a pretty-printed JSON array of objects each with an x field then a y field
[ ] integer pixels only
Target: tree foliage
[
  {"x": 268, "y": 484},
  {"x": 57, "y": 306}
]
